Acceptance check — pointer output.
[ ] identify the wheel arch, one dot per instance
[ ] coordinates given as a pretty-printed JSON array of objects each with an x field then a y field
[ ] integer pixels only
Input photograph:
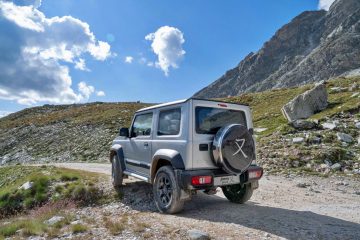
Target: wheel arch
[
  {"x": 163, "y": 157},
  {"x": 117, "y": 150}
]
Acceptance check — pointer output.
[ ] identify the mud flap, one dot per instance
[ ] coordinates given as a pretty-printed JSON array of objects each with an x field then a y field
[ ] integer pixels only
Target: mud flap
[{"x": 254, "y": 184}]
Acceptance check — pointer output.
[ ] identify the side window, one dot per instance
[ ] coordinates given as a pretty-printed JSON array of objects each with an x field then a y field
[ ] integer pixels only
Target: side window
[
  {"x": 169, "y": 122},
  {"x": 142, "y": 125}
]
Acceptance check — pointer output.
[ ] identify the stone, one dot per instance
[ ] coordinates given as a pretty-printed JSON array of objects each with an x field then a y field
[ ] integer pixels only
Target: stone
[
  {"x": 357, "y": 125},
  {"x": 54, "y": 220},
  {"x": 344, "y": 137},
  {"x": 306, "y": 104},
  {"x": 303, "y": 124},
  {"x": 259, "y": 130},
  {"x": 195, "y": 234},
  {"x": 26, "y": 185},
  {"x": 329, "y": 125},
  {"x": 298, "y": 140},
  {"x": 302, "y": 185},
  {"x": 354, "y": 95},
  {"x": 336, "y": 166}
]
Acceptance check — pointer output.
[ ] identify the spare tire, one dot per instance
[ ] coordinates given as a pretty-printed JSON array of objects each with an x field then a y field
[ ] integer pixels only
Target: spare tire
[{"x": 233, "y": 148}]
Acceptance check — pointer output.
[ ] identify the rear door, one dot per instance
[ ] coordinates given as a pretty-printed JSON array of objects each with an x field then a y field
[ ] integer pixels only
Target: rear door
[
  {"x": 138, "y": 152},
  {"x": 208, "y": 118}
]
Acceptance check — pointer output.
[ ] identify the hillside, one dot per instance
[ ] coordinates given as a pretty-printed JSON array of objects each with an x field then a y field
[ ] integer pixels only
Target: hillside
[
  {"x": 314, "y": 46},
  {"x": 84, "y": 132},
  {"x": 81, "y": 132}
]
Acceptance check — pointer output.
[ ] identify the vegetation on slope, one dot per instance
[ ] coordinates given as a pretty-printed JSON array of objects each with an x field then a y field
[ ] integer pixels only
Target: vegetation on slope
[{"x": 266, "y": 106}]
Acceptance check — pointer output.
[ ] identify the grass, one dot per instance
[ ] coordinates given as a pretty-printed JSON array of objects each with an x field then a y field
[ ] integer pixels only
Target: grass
[
  {"x": 116, "y": 226},
  {"x": 50, "y": 184},
  {"x": 78, "y": 228},
  {"x": 266, "y": 106},
  {"x": 75, "y": 114}
]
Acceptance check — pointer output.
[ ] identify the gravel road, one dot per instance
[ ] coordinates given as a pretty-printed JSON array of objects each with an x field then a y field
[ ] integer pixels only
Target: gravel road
[{"x": 282, "y": 208}]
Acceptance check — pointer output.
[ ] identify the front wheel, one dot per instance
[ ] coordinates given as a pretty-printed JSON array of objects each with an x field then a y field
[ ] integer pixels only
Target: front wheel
[
  {"x": 116, "y": 172},
  {"x": 167, "y": 191},
  {"x": 238, "y": 193}
]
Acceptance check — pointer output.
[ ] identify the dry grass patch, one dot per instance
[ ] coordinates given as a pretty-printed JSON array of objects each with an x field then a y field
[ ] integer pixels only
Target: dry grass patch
[{"x": 116, "y": 226}]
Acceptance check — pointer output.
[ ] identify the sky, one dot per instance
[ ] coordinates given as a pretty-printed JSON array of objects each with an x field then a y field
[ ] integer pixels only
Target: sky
[{"x": 77, "y": 51}]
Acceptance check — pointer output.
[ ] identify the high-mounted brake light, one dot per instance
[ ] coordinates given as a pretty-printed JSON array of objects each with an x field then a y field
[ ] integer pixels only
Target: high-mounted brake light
[
  {"x": 201, "y": 180},
  {"x": 222, "y": 105}
]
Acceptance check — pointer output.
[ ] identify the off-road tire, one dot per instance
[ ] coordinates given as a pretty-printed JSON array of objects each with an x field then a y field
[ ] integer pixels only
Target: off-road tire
[
  {"x": 116, "y": 172},
  {"x": 238, "y": 193},
  {"x": 167, "y": 191}
]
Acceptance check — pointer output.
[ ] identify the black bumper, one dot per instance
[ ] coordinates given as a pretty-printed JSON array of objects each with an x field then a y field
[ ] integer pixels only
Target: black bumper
[{"x": 184, "y": 177}]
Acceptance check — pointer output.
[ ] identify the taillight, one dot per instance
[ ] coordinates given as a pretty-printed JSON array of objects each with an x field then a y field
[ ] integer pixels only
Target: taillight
[
  {"x": 255, "y": 174},
  {"x": 201, "y": 180}
]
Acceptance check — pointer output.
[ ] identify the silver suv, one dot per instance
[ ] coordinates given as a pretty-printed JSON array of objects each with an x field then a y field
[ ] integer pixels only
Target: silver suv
[{"x": 189, "y": 145}]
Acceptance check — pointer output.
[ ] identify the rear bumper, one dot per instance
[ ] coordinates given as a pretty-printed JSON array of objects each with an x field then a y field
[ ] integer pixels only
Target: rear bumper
[{"x": 184, "y": 177}]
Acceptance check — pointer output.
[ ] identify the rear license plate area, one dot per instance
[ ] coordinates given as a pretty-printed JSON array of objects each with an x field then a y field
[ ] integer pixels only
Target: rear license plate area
[{"x": 226, "y": 180}]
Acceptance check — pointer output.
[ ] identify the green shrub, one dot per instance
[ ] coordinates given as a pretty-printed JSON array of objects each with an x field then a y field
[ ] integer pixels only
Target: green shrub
[
  {"x": 79, "y": 228},
  {"x": 66, "y": 177}
]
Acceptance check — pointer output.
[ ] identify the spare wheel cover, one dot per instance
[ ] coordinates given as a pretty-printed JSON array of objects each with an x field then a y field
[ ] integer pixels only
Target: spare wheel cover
[{"x": 233, "y": 148}]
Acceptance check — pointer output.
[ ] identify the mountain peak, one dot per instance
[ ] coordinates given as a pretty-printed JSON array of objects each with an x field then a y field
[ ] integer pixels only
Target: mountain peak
[{"x": 314, "y": 46}]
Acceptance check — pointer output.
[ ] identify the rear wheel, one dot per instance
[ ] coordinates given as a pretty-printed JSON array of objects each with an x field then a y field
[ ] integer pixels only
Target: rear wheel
[
  {"x": 116, "y": 172},
  {"x": 238, "y": 193},
  {"x": 167, "y": 191}
]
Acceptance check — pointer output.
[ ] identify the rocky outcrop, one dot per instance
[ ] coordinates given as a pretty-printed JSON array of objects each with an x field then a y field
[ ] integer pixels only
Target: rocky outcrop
[
  {"x": 314, "y": 46},
  {"x": 306, "y": 104}
]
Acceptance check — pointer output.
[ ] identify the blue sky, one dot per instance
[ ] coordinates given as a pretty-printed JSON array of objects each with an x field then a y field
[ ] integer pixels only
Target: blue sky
[{"x": 202, "y": 38}]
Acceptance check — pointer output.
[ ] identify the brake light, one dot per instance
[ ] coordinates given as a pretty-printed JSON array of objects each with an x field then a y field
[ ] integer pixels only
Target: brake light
[
  {"x": 256, "y": 174},
  {"x": 222, "y": 105},
  {"x": 201, "y": 180}
]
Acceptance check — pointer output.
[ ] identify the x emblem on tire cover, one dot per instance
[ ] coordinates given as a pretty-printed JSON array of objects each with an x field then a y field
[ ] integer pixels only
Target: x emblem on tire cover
[{"x": 242, "y": 142}]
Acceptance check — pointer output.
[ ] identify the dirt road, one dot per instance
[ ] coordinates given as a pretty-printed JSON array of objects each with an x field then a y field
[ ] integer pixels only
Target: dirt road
[{"x": 282, "y": 208}]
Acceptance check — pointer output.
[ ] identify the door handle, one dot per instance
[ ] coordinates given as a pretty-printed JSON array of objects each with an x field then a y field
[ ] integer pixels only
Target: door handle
[{"x": 146, "y": 144}]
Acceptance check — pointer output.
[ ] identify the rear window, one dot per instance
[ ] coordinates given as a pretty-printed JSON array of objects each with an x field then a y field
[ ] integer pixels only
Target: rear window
[
  {"x": 210, "y": 120},
  {"x": 169, "y": 122}
]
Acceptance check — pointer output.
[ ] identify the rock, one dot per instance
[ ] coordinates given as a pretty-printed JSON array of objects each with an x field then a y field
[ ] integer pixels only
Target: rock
[
  {"x": 344, "y": 137},
  {"x": 298, "y": 140},
  {"x": 26, "y": 185},
  {"x": 354, "y": 95},
  {"x": 357, "y": 125},
  {"x": 338, "y": 89},
  {"x": 303, "y": 124},
  {"x": 195, "y": 234},
  {"x": 54, "y": 220},
  {"x": 329, "y": 125},
  {"x": 302, "y": 185},
  {"x": 306, "y": 104},
  {"x": 314, "y": 140},
  {"x": 259, "y": 130},
  {"x": 336, "y": 166}
]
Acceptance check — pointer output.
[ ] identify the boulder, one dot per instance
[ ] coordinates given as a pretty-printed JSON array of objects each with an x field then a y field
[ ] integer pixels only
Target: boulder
[
  {"x": 54, "y": 220},
  {"x": 195, "y": 234},
  {"x": 344, "y": 137},
  {"x": 329, "y": 125},
  {"x": 336, "y": 166},
  {"x": 26, "y": 185},
  {"x": 357, "y": 125},
  {"x": 306, "y": 104},
  {"x": 298, "y": 140},
  {"x": 303, "y": 124}
]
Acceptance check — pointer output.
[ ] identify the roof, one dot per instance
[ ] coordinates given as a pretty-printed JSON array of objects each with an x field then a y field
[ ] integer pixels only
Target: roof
[
  {"x": 182, "y": 101},
  {"x": 162, "y": 105}
]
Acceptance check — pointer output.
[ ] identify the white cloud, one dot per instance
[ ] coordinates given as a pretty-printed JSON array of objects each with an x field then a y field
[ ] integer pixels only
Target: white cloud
[
  {"x": 80, "y": 64},
  {"x": 85, "y": 90},
  {"x": 100, "y": 93},
  {"x": 167, "y": 45},
  {"x": 33, "y": 51},
  {"x": 129, "y": 59},
  {"x": 325, "y": 4},
  {"x": 4, "y": 113}
]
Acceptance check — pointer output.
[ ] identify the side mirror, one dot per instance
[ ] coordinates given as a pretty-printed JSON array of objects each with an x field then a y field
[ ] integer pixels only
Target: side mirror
[{"x": 124, "y": 132}]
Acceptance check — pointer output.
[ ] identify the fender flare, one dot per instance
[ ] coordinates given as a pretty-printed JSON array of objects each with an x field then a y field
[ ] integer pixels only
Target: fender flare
[
  {"x": 118, "y": 150},
  {"x": 172, "y": 156}
]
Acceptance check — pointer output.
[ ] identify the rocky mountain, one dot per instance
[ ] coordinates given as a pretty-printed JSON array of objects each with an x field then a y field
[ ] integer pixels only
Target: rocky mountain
[{"x": 314, "y": 46}]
